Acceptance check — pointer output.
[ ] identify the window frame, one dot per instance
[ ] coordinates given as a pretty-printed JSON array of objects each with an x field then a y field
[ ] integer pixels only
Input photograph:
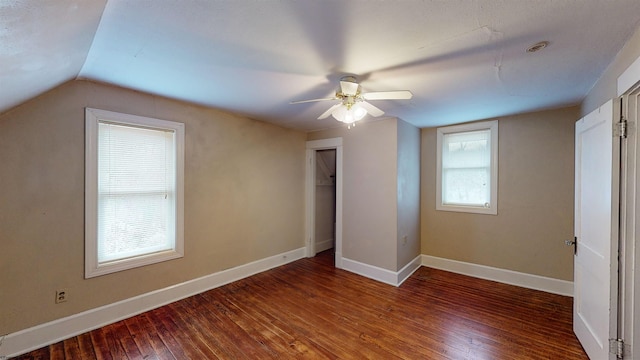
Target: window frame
[
  {"x": 93, "y": 117},
  {"x": 492, "y": 126}
]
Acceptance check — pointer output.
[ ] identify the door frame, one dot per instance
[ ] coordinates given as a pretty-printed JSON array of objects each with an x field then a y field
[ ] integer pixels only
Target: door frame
[
  {"x": 310, "y": 196},
  {"x": 629, "y": 282},
  {"x": 629, "y": 307}
]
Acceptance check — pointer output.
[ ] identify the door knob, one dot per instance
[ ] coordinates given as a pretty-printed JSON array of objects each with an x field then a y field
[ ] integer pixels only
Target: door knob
[{"x": 573, "y": 243}]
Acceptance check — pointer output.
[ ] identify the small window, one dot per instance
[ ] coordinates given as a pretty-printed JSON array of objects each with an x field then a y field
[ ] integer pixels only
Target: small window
[
  {"x": 467, "y": 169},
  {"x": 134, "y": 191}
]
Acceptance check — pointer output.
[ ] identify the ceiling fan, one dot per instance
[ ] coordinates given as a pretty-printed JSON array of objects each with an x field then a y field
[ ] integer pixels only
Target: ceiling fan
[{"x": 353, "y": 105}]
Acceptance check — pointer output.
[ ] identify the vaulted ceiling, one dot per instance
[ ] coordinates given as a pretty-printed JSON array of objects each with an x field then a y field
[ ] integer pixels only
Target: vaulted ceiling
[{"x": 463, "y": 60}]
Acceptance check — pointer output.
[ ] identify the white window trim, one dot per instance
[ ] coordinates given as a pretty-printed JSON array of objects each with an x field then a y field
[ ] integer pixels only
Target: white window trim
[
  {"x": 492, "y": 209},
  {"x": 92, "y": 118}
]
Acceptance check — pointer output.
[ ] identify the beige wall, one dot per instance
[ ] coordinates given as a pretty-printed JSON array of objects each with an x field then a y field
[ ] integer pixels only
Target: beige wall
[
  {"x": 535, "y": 200},
  {"x": 408, "y": 194},
  {"x": 371, "y": 214},
  {"x": 244, "y": 200},
  {"x": 607, "y": 86}
]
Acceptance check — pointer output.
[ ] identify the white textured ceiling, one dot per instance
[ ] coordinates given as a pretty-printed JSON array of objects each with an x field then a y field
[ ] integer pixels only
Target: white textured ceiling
[{"x": 463, "y": 60}]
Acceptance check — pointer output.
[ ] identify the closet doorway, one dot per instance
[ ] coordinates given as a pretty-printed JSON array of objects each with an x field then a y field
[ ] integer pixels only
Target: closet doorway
[
  {"x": 325, "y": 200},
  {"x": 323, "y": 220}
]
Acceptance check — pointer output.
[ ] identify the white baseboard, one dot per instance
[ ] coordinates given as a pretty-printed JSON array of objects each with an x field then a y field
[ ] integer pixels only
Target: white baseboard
[
  {"x": 49, "y": 333},
  {"x": 536, "y": 282},
  {"x": 409, "y": 269},
  {"x": 395, "y": 278},
  {"x": 324, "y": 245},
  {"x": 370, "y": 271}
]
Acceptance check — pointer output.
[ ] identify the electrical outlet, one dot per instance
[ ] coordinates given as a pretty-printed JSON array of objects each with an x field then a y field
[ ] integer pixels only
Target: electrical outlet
[
  {"x": 61, "y": 296},
  {"x": 404, "y": 240}
]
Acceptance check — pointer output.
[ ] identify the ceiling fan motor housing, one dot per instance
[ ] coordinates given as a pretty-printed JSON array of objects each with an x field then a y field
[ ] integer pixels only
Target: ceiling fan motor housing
[{"x": 349, "y": 86}]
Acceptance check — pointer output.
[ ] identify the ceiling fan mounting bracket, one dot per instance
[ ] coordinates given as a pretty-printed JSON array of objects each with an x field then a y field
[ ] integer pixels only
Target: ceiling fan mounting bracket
[{"x": 349, "y": 78}]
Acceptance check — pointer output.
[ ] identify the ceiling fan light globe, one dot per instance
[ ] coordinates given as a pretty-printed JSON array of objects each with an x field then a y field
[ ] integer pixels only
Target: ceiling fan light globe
[
  {"x": 348, "y": 117},
  {"x": 359, "y": 112},
  {"x": 339, "y": 113}
]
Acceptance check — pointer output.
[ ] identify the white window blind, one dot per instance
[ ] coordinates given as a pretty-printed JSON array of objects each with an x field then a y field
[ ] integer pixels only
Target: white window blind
[
  {"x": 136, "y": 189},
  {"x": 134, "y": 186},
  {"x": 466, "y": 168}
]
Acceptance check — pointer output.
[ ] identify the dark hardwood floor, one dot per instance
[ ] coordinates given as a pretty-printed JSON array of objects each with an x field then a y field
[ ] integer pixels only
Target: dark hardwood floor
[{"x": 309, "y": 309}]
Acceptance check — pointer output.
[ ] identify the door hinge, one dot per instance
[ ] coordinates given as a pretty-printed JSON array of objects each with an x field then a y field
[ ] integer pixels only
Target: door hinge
[
  {"x": 616, "y": 347},
  {"x": 621, "y": 128}
]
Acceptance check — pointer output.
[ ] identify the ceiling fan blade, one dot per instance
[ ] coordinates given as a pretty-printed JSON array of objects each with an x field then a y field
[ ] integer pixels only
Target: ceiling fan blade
[
  {"x": 372, "y": 110},
  {"x": 327, "y": 113},
  {"x": 388, "y": 95},
  {"x": 312, "y": 100}
]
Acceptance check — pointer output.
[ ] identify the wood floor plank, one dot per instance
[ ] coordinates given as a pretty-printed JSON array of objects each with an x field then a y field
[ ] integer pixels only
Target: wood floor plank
[
  {"x": 86, "y": 347},
  {"x": 186, "y": 340},
  {"x": 220, "y": 337},
  {"x": 308, "y": 309},
  {"x": 100, "y": 346},
  {"x": 328, "y": 328},
  {"x": 57, "y": 350},
  {"x": 369, "y": 331},
  {"x": 268, "y": 337},
  {"x": 147, "y": 338},
  {"x": 141, "y": 338},
  {"x": 359, "y": 305},
  {"x": 165, "y": 335},
  {"x": 72, "y": 349},
  {"x": 229, "y": 330},
  {"x": 39, "y": 354},
  {"x": 124, "y": 340},
  {"x": 256, "y": 310},
  {"x": 113, "y": 339}
]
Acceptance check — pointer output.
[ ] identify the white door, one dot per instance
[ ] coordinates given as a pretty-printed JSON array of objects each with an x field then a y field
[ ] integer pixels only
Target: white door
[{"x": 596, "y": 229}]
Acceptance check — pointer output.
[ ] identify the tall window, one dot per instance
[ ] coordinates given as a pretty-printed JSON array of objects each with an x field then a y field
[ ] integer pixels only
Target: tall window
[
  {"x": 467, "y": 171},
  {"x": 134, "y": 190}
]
